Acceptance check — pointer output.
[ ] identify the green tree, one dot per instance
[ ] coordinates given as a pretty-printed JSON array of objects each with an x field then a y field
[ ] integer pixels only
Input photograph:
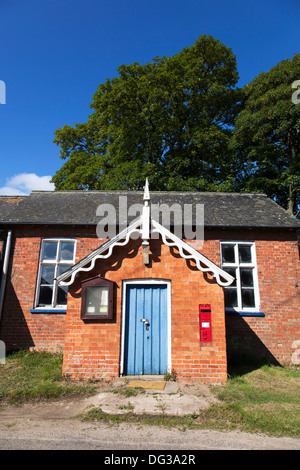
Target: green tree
[
  {"x": 169, "y": 120},
  {"x": 266, "y": 138}
]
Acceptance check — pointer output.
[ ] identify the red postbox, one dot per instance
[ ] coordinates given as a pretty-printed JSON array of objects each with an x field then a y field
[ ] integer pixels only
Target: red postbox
[{"x": 205, "y": 323}]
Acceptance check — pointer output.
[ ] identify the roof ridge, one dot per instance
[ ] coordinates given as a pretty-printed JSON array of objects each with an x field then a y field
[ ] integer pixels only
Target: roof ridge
[{"x": 115, "y": 191}]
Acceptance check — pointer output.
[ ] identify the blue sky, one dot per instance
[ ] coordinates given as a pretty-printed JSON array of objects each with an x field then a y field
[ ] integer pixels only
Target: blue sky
[{"x": 54, "y": 54}]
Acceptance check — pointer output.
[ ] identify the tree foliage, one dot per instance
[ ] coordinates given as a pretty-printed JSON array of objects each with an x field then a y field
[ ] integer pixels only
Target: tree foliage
[
  {"x": 266, "y": 137},
  {"x": 169, "y": 120},
  {"x": 182, "y": 122}
]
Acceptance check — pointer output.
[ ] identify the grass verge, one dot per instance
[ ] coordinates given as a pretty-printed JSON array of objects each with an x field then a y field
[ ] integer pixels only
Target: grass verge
[
  {"x": 32, "y": 375},
  {"x": 266, "y": 400}
]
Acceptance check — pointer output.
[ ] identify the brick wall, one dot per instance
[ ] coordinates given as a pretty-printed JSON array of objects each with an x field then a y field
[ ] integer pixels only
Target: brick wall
[
  {"x": 94, "y": 349},
  {"x": 271, "y": 338},
  {"x": 268, "y": 339},
  {"x": 19, "y": 328}
]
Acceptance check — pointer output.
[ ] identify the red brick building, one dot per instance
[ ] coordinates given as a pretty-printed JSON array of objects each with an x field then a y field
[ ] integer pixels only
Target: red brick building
[{"x": 129, "y": 304}]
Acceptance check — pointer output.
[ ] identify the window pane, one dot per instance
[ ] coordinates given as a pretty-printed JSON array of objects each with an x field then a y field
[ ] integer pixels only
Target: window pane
[
  {"x": 245, "y": 254},
  {"x": 47, "y": 274},
  {"x": 230, "y": 296},
  {"x": 228, "y": 254},
  {"x": 248, "y": 298},
  {"x": 62, "y": 268},
  {"x": 246, "y": 277},
  {"x": 62, "y": 293},
  {"x": 96, "y": 301},
  {"x": 232, "y": 272},
  {"x": 49, "y": 252},
  {"x": 45, "y": 295},
  {"x": 66, "y": 251}
]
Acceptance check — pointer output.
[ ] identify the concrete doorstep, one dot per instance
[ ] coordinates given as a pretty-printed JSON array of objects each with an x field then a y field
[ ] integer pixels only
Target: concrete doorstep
[
  {"x": 115, "y": 398},
  {"x": 153, "y": 397}
]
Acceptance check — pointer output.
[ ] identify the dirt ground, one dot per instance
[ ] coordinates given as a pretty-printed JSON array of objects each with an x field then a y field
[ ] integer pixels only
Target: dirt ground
[{"x": 55, "y": 425}]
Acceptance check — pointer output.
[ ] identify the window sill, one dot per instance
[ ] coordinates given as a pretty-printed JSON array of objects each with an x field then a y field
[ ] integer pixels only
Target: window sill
[
  {"x": 48, "y": 310},
  {"x": 244, "y": 313}
]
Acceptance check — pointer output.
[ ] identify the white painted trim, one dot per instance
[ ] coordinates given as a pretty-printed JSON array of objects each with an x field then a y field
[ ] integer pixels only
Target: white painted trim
[
  {"x": 55, "y": 263},
  {"x": 237, "y": 265},
  {"x": 203, "y": 263},
  {"x": 103, "y": 252},
  {"x": 148, "y": 281},
  {"x": 170, "y": 239}
]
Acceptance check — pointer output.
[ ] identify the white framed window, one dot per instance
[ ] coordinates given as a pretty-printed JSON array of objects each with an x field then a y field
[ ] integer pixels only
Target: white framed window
[
  {"x": 239, "y": 260},
  {"x": 56, "y": 256}
]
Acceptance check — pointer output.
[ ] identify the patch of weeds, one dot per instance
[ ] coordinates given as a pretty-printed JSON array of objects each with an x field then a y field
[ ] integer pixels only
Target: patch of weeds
[
  {"x": 129, "y": 391},
  {"x": 170, "y": 376},
  {"x": 128, "y": 407},
  {"x": 161, "y": 407}
]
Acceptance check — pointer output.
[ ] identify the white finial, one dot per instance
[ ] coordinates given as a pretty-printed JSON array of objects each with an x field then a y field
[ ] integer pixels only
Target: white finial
[
  {"x": 146, "y": 216},
  {"x": 146, "y": 191}
]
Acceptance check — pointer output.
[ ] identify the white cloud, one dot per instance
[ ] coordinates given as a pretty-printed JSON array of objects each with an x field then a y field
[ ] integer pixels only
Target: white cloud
[{"x": 24, "y": 183}]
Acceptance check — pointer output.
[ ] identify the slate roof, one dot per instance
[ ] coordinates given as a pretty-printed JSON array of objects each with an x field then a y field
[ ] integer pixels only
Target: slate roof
[
  {"x": 79, "y": 208},
  {"x": 7, "y": 201}
]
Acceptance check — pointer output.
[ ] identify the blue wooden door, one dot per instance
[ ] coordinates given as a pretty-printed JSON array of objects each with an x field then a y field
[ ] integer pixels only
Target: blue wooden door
[{"x": 146, "y": 330}]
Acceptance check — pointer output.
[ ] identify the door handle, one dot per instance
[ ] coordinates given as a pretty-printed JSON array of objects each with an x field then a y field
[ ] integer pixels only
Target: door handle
[{"x": 146, "y": 321}]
